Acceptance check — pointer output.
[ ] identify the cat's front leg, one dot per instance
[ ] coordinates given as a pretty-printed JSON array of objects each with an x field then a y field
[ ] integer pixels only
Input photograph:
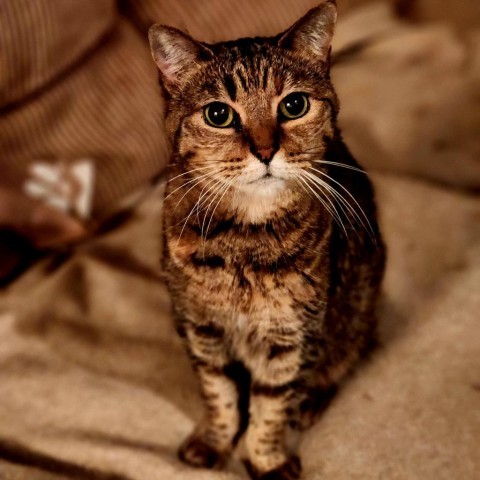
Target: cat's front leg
[
  {"x": 274, "y": 372},
  {"x": 212, "y": 440}
]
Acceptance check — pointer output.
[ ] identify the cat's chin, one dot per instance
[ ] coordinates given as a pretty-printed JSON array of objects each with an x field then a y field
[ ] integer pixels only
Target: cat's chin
[{"x": 258, "y": 201}]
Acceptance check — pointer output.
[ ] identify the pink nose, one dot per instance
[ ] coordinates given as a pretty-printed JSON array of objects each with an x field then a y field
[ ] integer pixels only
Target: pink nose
[{"x": 265, "y": 153}]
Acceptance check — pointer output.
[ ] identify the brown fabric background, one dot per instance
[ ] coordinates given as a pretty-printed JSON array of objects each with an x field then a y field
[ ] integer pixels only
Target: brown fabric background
[{"x": 91, "y": 92}]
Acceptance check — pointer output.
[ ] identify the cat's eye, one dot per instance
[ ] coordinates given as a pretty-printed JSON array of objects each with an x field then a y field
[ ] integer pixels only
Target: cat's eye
[
  {"x": 293, "y": 106},
  {"x": 219, "y": 115}
]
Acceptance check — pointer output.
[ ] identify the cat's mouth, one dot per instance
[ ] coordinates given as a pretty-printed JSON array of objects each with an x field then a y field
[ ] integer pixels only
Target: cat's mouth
[
  {"x": 267, "y": 176},
  {"x": 267, "y": 179}
]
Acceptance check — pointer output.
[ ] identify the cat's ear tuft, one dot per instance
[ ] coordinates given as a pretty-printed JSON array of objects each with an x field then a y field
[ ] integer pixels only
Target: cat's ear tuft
[
  {"x": 312, "y": 34},
  {"x": 175, "y": 53}
]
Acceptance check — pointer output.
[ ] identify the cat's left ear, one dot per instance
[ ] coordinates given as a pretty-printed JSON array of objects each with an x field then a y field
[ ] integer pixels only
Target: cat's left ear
[
  {"x": 312, "y": 34},
  {"x": 175, "y": 53}
]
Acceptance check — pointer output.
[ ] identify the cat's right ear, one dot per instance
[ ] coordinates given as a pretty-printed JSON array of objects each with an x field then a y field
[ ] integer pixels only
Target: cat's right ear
[
  {"x": 175, "y": 53},
  {"x": 312, "y": 35}
]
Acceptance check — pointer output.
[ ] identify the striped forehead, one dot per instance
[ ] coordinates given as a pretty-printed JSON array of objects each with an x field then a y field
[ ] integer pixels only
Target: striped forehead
[{"x": 250, "y": 71}]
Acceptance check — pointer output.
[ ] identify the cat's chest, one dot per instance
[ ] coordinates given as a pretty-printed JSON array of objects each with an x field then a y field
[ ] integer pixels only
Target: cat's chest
[
  {"x": 246, "y": 293},
  {"x": 263, "y": 273},
  {"x": 271, "y": 307},
  {"x": 247, "y": 335}
]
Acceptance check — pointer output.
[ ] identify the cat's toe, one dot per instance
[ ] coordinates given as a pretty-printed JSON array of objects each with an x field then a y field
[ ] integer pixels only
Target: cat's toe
[
  {"x": 196, "y": 453},
  {"x": 290, "y": 470}
]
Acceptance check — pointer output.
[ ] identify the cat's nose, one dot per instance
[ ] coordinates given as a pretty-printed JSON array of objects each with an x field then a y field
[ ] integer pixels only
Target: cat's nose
[{"x": 265, "y": 155}]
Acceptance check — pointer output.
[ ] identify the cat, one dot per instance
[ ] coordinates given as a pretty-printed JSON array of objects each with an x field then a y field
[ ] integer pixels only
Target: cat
[{"x": 272, "y": 250}]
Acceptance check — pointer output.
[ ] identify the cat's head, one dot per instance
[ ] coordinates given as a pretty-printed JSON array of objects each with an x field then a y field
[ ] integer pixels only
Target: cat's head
[{"x": 253, "y": 113}]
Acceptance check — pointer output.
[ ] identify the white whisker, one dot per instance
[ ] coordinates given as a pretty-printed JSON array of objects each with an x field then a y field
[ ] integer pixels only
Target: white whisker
[
  {"x": 218, "y": 191},
  {"x": 229, "y": 184},
  {"x": 322, "y": 186},
  {"x": 206, "y": 177},
  {"x": 334, "y": 213},
  {"x": 197, "y": 203},
  {"x": 202, "y": 195},
  {"x": 357, "y": 216},
  {"x": 195, "y": 180},
  {"x": 190, "y": 171},
  {"x": 215, "y": 194},
  {"x": 343, "y": 165}
]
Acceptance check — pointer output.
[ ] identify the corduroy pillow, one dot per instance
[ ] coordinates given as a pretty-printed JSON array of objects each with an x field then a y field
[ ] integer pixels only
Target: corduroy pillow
[
  {"x": 41, "y": 40},
  {"x": 81, "y": 113}
]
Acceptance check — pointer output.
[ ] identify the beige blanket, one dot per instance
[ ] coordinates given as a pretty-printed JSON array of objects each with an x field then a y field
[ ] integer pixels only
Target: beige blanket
[{"x": 94, "y": 383}]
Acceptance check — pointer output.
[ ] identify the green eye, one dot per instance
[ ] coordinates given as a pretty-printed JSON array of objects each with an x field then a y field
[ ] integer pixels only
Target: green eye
[
  {"x": 219, "y": 115},
  {"x": 293, "y": 106}
]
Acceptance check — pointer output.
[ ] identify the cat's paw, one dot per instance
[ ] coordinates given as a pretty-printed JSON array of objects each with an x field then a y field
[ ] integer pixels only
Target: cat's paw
[
  {"x": 196, "y": 453},
  {"x": 290, "y": 470}
]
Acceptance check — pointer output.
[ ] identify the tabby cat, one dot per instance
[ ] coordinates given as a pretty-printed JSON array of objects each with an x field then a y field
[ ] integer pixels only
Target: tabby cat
[{"x": 272, "y": 252}]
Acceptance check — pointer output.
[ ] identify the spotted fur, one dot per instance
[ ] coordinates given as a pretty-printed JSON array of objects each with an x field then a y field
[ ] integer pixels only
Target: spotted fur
[{"x": 273, "y": 276}]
